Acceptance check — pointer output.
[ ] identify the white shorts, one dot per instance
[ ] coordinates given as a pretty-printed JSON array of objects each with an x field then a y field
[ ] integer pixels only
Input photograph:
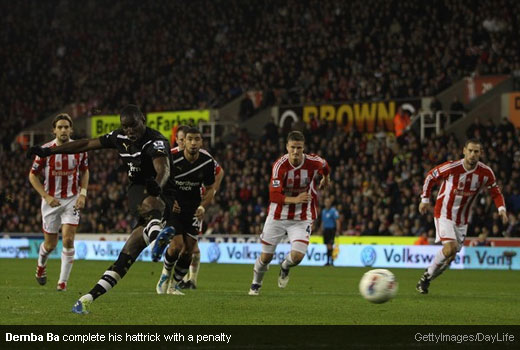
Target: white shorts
[
  {"x": 298, "y": 231},
  {"x": 65, "y": 213},
  {"x": 446, "y": 230}
]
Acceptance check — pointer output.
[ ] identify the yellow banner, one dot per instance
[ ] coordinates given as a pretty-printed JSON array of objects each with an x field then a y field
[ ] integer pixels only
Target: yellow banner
[
  {"x": 359, "y": 116},
  {"x": 164, "y": 121},
  {"x": 398, "y": 240},
  {"x": 103, "y": 124}
]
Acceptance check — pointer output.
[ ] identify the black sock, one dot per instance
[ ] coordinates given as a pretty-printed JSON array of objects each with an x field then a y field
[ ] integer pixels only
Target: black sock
[
  {"x": 182, "y": 267},
  {"x": 170, "y": 260},
  {"x": 113, "y": 275}
]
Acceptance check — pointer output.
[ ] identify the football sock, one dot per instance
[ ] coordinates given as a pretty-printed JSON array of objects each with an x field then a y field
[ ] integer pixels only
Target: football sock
[
  {"x": 439, "y": 271},
  {"x": 152, "y": 229},
  {"x": 438, "y": 262},
  {"x": 194, "y": 267},
  {"x": 259, "y": 271},
  {"x": 67, "y": 260},
  {"x": 288, "y": 263},
  {"x": 169, "y": 261},
  {"x": 181, "y": 267},
  {"x": 113, "y": 275},
  {"x": 43, "y": 255}
]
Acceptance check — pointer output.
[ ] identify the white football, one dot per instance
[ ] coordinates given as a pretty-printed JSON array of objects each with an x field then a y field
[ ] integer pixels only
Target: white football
[{"x": 378, "y": 286}]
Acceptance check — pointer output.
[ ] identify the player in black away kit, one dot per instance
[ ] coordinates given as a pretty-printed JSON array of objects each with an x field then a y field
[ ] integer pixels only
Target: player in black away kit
[
  {"x": 191, "y": 169},
  {"x": 147, "y": 154}
]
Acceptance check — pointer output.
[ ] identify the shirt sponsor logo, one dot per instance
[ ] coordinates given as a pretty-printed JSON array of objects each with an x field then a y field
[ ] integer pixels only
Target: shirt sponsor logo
[{"x": 62, "y": 172}]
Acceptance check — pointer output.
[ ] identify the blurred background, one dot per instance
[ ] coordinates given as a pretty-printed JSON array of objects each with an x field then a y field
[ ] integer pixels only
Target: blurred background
[{"x": 383, "y": 90}]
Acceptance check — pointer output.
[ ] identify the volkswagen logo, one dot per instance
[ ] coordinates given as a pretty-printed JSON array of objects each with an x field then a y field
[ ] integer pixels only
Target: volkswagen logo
[
  {"x": 213, "y": 253},
  {"x": 81, "y": 250},
  {"x": 368, "y": 256}
]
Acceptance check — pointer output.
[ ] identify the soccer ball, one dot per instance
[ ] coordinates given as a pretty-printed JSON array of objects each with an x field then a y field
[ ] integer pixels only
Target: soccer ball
[{"x": 378, "y": 286}]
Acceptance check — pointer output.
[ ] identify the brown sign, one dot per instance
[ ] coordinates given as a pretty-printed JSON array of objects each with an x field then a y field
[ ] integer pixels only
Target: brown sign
[{"x": 366, "y": 117}]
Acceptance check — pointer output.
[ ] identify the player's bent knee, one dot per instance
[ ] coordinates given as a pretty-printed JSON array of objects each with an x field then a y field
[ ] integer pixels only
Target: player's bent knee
[
  {"x": 153, "y": 203},
  {"x": 266, "y": 258},
  {"x": 68, "y": 242},
  {"x": 50, "y": 246},
  {"x": 297, "y": 256},
  {"x": 298, "y": 248}
]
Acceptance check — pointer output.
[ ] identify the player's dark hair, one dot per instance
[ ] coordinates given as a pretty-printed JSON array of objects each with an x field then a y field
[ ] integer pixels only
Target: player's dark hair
[
  {"x": 295, "y": 136},
  {"x": 474, "y": 141},
  {"x": 192, "y": 130},
  {"x": 61, "y": 116},
  {"x": 132, "y": 111},
  {"x": 183, "y": 128}
]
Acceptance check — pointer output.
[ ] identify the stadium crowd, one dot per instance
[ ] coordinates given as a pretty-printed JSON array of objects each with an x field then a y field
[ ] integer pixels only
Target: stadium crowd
[
  {"x": 376, "y": 183},
  {"x": 174, "y": 55}
]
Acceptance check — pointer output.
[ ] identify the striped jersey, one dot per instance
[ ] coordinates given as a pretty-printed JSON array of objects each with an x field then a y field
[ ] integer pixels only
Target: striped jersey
[
  {"x": 138, "y": 156},
  {"x": 218, "y": 168},
  {"x": 61, "y": 172},
  {"x": 288, "y": 180},
  {"x": 459, "y": 188},
  {"x": 188, "y": 178}
]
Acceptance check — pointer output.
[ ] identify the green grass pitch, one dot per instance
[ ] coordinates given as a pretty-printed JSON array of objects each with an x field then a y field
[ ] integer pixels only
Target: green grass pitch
[{"x": 314, "y": 296}]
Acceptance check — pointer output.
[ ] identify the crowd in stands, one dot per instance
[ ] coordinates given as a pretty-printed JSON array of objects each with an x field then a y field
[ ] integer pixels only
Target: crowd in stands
[
  {"x": 174, "y": 55},
  {"x": 376, "y": 183}
]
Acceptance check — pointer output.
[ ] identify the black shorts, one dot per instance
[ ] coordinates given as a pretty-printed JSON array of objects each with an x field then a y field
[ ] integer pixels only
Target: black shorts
[
  {"x": 185, "y": 224},
  {"x": 328, "y": 235},
  {"x": 136, "y": 195}
]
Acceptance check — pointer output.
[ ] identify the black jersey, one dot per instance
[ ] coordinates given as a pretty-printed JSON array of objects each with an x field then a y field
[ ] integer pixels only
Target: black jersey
[
  {"x": 188, "y": 178},
  {"x": 138, "y": 156}
]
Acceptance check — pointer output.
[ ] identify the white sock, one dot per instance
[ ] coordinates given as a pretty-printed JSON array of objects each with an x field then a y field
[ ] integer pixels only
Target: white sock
[
  {"x": 194, "y": 268},
  {"x": 439, "y": 271},
  {"x": 67, "y": 259},
  {"x": 288, "y": 263},
  {"x": 43, "y": 255},
  {"x": 87, "y": 297},
  {"x": 166, "y": 272},
  {"x": 187, "y": 277},
  {"x": 259, "y": 271},
  {"x": 438, "y": 262}
]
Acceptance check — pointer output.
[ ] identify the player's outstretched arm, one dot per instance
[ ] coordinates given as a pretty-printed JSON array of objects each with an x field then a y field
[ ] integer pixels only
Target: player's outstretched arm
[{"x": 71, "y": 147}]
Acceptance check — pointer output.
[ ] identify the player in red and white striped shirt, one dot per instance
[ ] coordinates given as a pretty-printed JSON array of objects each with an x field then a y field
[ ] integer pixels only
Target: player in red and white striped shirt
[
  {"x": 63, "y": 195},
  {"x": 292, "y": 209},
  {"x": 460, "y": 183}
]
